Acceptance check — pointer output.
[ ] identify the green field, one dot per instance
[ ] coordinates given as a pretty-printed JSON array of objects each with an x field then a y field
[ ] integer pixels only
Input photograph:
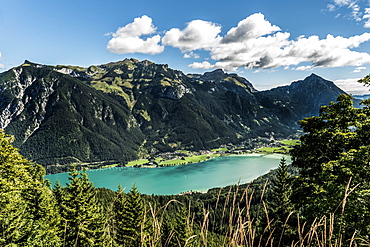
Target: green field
[
  {"x": 186, "y": 160},
  {"x": 288, "y": 145},
  {"x": 280, "y": 150},
  {"x": 137, "y": 162},
  {"x": 220, "y": 150},
  {"x": 290, "y": 142}
]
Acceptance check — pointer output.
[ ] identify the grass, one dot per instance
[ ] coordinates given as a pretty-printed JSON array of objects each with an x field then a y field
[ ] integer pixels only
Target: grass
[
  {"x": 280, "y": 150},
  {"x": 290, "y": 142},
  {"x": 137, "y": 162},
  {"x": 242, "y": 228},
  {"x": 287, "y": 145},
  {"x": 186, "y": 160},
  {"x": 180, "y": 161},
  {"x": 220, "y": 150}
]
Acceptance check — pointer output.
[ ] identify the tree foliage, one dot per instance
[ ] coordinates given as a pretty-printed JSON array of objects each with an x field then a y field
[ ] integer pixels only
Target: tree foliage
[
  {"x": 333, "y": 159},
  {"x": 280, "y": 207},
  {"x": 131, "y": 225},
  {"x": 82, "y": 222},
  {"x": 28, "y": 216}
]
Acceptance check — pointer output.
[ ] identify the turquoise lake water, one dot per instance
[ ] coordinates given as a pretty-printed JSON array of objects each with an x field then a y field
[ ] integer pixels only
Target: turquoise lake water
[{"x": 217, "y": 172}]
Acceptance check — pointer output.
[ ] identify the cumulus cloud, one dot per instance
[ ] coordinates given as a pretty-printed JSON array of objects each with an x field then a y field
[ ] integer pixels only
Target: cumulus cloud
[
  {"x": 128, "y": 39},
  {"x": 202, "y": 65},
  {"x": 257, "y": 44},
  {"x": 251, "y": 27},
  {"x": 352, "y": 86},
  {"x": 254, "y": 43},
  {"x": 329, "y": 52},
  {"x": 191, "y": 55},
  {"x": 198, "y": 34}
]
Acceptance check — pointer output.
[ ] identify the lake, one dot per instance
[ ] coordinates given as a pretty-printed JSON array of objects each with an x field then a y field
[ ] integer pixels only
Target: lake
[{"x": 217, "y": 172}]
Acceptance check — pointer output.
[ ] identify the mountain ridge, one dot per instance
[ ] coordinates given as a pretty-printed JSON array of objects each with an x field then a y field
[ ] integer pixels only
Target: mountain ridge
[{"x": 129, "y": 109}]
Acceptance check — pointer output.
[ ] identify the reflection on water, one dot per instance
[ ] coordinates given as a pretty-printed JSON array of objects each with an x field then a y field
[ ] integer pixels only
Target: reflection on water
[{"x": 201, "y": 176}]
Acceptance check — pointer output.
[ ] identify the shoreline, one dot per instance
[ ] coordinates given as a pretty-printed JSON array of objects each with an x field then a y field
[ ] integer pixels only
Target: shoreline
[
  {"x": 181, "y": 157},
  {"x": 253, "y": 154}
]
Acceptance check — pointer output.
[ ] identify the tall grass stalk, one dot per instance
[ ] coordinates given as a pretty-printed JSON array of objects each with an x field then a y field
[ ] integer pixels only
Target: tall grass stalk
[{"x": 243, "y": 228}]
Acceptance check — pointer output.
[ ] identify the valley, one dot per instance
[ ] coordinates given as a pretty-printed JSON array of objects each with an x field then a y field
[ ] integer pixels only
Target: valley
[{"x": 130, "y": 110}]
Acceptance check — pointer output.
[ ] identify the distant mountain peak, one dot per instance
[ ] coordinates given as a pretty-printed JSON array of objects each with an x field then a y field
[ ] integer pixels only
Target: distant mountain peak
[
  {"x": 29, "y": 63},
  {"x": 313, "y": 76}
]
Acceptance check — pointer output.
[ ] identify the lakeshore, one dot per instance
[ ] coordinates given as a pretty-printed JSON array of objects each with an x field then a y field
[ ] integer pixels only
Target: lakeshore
[
  {"x": 217, "y": 172},
  {"x": 184, "y": 157}
]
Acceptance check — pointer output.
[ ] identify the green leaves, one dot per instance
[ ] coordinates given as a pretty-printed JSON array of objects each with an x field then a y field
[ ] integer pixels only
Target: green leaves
[{"x": 333, "y": 158}]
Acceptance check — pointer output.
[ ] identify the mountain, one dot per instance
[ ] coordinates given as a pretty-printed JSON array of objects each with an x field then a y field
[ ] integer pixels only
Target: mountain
[
  {"x": 362, "y": 97},
  {"x": 128, "y": 109},
  {"x": 300, "y": 99}
]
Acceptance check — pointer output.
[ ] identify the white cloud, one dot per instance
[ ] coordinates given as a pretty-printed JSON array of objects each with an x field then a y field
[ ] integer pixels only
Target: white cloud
[
  {"x": 329, "y": 52},
  {"x": 257, "y": 44},
  {"x": 254, "y": 43},
  {"x": 191, "y": 55},
  {"x": 198, "y": 34},
  {"x": 344, "y": 2},
  {"x": 352, "y": 86},
  {"x": 366, "y": 17},
  {"x": 202, "y": 65},
  {"x": 251, "y": 27},
  {"x": 355, "y": 7},
  {"x": 128, "y": 39},
  {"x": 358, "y": 69},
  {"x": 356, "y": 11},
  {"x": 304, "y": 68},
  {"x": 2, "y": 66},
  {"x": 331, "y": 7}
]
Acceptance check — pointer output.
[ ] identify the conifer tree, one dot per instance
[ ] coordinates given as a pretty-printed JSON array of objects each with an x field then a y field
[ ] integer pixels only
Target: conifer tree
[
  {"x": 28, "y": 216},
  {"x": 174, "y": 229},
  {"x": 130, "y": 219},
  {"x": 280, "y": 208},
  {"x": 118, "y": 214},
  {"x": 82, "y": 223}
]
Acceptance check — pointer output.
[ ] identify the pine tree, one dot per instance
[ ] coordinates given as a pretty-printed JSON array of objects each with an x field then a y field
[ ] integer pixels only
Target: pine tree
[
  {"x": 28, "y": 216},
  {"x": 174, "y": 229},
  {"x": 280, "y": 208},
  {"x": 82, "y": 223},
  {"x": 130, "y": 218},
  {"x": 118, "y": 215}
]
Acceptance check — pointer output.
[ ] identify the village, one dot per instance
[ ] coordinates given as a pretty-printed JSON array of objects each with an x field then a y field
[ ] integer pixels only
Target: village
[{"x": 183, "y": 157}]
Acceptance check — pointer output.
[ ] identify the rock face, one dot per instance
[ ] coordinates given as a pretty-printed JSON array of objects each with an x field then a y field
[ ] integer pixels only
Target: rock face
[{"x": 124, "y": 110}]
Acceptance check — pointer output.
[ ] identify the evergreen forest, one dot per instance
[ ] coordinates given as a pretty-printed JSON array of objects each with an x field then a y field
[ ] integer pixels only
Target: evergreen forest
[{"x": 322, "y": 199}]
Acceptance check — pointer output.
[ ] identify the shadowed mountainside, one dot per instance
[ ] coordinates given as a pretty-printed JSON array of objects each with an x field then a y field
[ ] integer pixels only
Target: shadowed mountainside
[{"x": 128, "y": 109}]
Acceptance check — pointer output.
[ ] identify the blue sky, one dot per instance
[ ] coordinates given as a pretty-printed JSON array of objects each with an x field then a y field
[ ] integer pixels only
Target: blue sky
[{"x": 268, "y": 42}]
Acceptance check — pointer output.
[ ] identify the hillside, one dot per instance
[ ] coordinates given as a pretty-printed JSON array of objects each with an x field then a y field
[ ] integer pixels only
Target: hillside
[{"x": 128, "y": 109}]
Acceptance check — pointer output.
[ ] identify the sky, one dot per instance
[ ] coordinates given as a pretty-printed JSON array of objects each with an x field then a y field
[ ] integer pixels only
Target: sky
[{"x": 269, "y": 42}]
